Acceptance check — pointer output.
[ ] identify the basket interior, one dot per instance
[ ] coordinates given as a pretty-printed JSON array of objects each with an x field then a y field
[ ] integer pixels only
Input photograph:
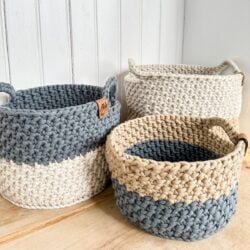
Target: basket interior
[
  {"x": 172, "y": 139},
  {"x": 55, "y": 97},
  {"x": 171, "y": 150}
]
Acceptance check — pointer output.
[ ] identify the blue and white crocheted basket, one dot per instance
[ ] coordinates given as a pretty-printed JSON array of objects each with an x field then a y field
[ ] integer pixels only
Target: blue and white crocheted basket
[
  {"x": 52, "y": 143},
  {"x": 173, "y": 176}
]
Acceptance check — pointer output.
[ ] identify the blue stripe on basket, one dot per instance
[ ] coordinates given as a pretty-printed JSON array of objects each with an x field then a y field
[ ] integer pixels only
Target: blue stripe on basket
[
  {"x": 166, "y": 150},
  {"x": 44, "y": 136},
  {"x": 180, "y": 221}
]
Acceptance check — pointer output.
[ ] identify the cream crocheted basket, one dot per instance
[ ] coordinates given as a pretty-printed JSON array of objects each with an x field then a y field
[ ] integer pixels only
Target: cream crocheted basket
[
  {"x": 184, "y": 90},
  {"x": 173, "y": 176},
  {"x": 52, "y": 143}
]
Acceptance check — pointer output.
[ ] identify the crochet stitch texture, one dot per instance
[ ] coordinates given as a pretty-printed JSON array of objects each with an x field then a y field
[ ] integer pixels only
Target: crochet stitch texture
[
  {"x": 184, "y": 90},
  {"x": 52, "y": 143},
  {"x": 162, "y": 185},
  {"x": 179, "y": 221}
]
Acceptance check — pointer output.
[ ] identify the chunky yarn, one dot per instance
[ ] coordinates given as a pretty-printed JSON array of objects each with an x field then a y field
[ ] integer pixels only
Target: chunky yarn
[
  {"x": 52, "y": 143},
  {"x": 184, "y": 90},
  {"x": 174, "y": 176},
  {"x": 180, "y": 221}
]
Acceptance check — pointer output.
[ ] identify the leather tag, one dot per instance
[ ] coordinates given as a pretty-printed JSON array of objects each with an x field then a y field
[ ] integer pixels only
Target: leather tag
[{"x": 102, "y": 107}]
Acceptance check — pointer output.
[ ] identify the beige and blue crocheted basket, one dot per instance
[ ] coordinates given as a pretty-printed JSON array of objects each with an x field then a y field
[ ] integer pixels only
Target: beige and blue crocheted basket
[
  {"x": 52, "y": 151},
  {"x": 173, "y": 176}
]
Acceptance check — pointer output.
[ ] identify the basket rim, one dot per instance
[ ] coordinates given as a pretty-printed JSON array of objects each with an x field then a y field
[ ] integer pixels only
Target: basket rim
[
  {"x": 91, "y": 105},
  {"x": 150, "y": 163},
  {"x": 138, "y": 70},
  {"x": 186, "y": 76},
  {"x": 145, "y": 162}
]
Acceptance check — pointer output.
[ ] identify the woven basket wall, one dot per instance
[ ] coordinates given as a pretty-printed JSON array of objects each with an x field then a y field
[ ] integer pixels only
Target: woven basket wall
[
  {"x": 173, "y": 177},
  {"x": 184, "y": 90},
  {"x": 52, "y": 144}
]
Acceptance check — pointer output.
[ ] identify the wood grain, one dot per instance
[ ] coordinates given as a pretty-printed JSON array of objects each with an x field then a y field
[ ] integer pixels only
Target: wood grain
[
  {"x": 97, "y": 224},
  {"x": 16, "y": 222}
]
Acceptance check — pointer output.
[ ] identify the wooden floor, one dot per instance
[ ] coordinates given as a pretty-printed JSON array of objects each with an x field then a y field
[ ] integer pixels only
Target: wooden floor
[{"x": 97, "y": 224}]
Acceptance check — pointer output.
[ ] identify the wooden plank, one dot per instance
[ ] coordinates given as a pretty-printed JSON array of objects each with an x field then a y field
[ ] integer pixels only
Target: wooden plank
[
  {"x": 108, "y": 18},
  {"x": 84, "y": 41},
  {"x": 56, "y": 41},
  {"x": 151, "y": 20},
  {"x": 102, "y": 227},
  {"x": 17, "y": 222},
  {"x": 130, "y": 31},
  {"x": 4, "y": 60},
  {"x": 130, "y": 42},
  {"x": 22, "y": 43},
  {"x": 171, "y": 36}
]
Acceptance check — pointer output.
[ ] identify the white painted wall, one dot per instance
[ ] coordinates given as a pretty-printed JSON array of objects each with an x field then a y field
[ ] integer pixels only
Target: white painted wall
[
  {"x": 215, "y": 30},
  {"x": 85, "y": 41}
]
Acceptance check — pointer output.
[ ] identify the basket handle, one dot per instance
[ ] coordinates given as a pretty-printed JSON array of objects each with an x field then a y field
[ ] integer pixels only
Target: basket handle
[
  {"x": 8, "y": 88},
  {"x": 230, "y": 131},
  {"x": 230, "y": 63},
  {"x": 131, "y": 65},
  {"x": 134, "y": 69},
  {"x": 110, "y": 89}
]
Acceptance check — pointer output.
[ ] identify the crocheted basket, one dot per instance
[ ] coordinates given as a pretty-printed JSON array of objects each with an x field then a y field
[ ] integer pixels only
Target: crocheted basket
[
  {"x": 173, "y": 177},
  {"x": 52, "y": 143},
  {"x": 184, "y": 90}
]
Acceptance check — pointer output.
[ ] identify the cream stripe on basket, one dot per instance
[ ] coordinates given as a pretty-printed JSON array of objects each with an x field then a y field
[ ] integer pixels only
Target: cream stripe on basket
[
  {"x": 55, "y": 185},
  {"x": 180, "y": 181}
]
